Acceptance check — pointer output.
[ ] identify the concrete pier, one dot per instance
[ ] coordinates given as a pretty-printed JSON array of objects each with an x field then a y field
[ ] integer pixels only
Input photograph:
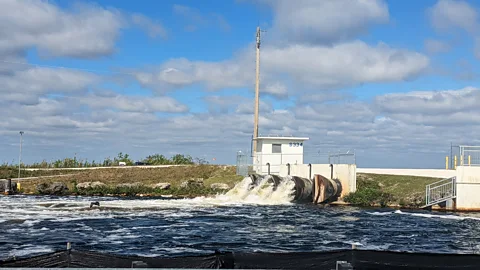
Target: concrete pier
[
  {"x": 468, "y": 188},
  {"x": 8, "y": 187}
]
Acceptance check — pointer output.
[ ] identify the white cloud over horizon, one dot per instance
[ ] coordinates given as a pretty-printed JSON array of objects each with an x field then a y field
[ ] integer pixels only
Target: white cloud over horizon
[{"x": 304, "y": 85}]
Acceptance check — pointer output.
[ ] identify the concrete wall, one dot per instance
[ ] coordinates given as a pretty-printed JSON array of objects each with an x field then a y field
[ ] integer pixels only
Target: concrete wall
[
  {"x": 468, "y": 188},
  {"x": 435, "y": 173},
  {"x": 291, "y": 152},
  {"x": 346, "y": 173}
]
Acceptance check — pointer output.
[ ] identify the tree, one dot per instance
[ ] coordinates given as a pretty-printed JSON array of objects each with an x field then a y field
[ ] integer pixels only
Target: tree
[
  {"x": 182, "y": 160},
  {"x": 123, "y": 158},
  {"x": 157, "y": 159}
]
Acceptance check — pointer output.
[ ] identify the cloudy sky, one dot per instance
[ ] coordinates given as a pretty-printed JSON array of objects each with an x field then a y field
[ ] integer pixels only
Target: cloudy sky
[{"x": 395, "y": 81}]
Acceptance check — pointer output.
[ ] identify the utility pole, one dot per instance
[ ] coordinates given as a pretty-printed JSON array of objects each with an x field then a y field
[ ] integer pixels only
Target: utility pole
[
  {"x": 451, "y": 155},
  {"x": 20, "y": 156},
  {"x": 257, "y": 90}
]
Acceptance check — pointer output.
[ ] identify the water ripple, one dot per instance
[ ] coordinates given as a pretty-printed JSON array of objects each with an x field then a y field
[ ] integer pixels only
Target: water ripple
[{"x": 34, "y": 225}]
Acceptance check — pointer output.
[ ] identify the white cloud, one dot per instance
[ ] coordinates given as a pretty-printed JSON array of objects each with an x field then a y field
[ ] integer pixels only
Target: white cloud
[
  {"x": 446, "y": 108},
  {"x": 84, "y": 31},
  {"x": 153, "y": 29},
  {"x": 134, "y": 103},
  {"x": 178, "y": 73},
  {"x": 223, "y": 104},
  {"x": 27, "y": 85},
  {"x": 430, "y": 102},
  {"x": 434, "y": 46},
  {"x": 453, "y": 15},
  {"x": 399, "y": 124},
  {"x": 194, "y": 19},
  {"x": 276, "y": 89},
  {"x": 322, "y": 97},
  {"x": 311, "y": 67},
  {"x": 476, "y": 48},
  {"x": 326, "y": 21},
  {"x": 247, "y": 107},
  {"x": 345, "y": 64},
  {"x": 56, "y": 32},
  {"x": 447, "y": 15}
]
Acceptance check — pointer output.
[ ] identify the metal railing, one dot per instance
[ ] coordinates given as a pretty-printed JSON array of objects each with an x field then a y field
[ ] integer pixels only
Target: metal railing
[
  {"x": 440, "y": 191},
  {"x": 348, "y": 157},
  {"x": 469, "y": 155}
]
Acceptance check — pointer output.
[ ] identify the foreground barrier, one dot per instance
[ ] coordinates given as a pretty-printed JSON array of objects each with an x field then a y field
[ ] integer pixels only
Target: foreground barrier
[{"x": 349, "y": 259}]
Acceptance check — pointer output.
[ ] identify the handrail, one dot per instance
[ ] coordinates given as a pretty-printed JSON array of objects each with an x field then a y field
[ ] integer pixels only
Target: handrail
[
  {"x": 440, "y": 191},
  {"x": 440, "y": 181}
]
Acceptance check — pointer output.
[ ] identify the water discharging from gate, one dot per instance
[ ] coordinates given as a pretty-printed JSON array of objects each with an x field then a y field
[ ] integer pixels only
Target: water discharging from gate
[{"x": 269, "y": 189}]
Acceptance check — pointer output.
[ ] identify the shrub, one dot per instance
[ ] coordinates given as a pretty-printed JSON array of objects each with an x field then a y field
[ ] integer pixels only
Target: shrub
[
  {"x": 132, "y": 191},
  {"x": 369, "y": 195}
]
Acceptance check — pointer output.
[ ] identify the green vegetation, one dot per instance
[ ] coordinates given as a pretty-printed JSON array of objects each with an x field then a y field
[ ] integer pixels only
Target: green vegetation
[
  {"x": 145, "y": 190},
  {"x": 7, "y": 171},
  {"x": 389, "y": 190},
  {"x": 369, "y": 194},
  {"x": 155, "y": 159},
  {"x": 141, "y": 180}
]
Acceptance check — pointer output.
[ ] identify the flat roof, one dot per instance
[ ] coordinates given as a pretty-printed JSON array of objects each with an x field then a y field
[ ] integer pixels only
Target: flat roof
[{"x": 283, "y": 138}]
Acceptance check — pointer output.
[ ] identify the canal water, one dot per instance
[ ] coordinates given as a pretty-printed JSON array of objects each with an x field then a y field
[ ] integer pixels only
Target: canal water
[{"x": 241, "y": 220}]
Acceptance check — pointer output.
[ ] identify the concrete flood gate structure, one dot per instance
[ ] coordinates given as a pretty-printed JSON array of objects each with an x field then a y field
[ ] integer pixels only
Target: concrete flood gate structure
[
  {"x": 283, "y": 158},
  {"x": 460, "y": 192},
  {"x": 344, "y": 174}
]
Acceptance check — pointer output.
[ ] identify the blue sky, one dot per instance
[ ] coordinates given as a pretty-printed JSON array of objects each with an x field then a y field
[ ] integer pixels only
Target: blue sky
[{"x": 101, "y": 77}]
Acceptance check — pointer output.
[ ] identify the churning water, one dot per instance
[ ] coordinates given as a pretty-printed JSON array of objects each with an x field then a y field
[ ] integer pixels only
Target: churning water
[{"x": 247, "y": 220}]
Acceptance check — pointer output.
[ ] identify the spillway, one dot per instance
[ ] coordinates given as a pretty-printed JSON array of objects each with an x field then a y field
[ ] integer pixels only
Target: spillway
[{"x": 297, "y": 189}]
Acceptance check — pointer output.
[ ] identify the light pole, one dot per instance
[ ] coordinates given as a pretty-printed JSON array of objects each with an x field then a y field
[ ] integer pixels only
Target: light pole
[{"x": 20, "y": 156}]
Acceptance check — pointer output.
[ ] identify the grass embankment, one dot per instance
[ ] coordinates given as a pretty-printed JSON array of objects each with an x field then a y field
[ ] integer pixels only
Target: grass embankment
[
  {"x": 12, "y": 172},
  {"x": 389, "y": 190},
  {"x": 142, "y": 180},
  {"x": 372, "y": 189}
]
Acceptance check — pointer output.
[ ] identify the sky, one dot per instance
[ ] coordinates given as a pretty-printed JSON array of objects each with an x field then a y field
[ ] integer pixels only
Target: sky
[{"x": 396, "y": 82}]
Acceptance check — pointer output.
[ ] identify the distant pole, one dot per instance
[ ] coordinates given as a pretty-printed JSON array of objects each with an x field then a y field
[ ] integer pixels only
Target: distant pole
[
  {"x": 20, "y": 155},
  {"x": 257, "y": 90},
  {"x": 451, "y": 155}
]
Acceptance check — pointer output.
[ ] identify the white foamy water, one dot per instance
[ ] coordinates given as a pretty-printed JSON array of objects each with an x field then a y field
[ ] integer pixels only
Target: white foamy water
[
  {"x": 424, "y": 215},
  {"x": 33, "y": 210},
  {"x": 262, "y": 218},
  {"x": 263, "y": 194}
]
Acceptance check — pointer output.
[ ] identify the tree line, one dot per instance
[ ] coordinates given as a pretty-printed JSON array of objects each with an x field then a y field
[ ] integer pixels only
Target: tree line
[{"x": 155, "y": 159}]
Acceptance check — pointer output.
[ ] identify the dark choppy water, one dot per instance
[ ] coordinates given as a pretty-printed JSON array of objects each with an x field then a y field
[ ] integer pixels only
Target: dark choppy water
[{"x": 34, "y": 225}]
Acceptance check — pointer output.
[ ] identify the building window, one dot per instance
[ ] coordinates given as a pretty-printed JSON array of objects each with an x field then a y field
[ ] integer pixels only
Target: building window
[{"x": 276, "y": 148}]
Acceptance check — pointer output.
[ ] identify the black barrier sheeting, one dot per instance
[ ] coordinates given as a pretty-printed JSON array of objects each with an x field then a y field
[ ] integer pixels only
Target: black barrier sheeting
[
  {"x": 365, "y": 259},
  {"x": 359, "y": 259},
  {"x": 294, "y": 260}
]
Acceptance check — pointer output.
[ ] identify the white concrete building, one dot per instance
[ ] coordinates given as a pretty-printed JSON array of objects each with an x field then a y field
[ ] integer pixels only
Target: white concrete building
[{"x": 277, "y": 151}]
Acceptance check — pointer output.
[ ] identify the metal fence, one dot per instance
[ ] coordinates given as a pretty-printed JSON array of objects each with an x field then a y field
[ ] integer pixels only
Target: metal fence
[
  {"x": 243, "y": 163},
  {"x": 469, "y": 155},
  {"x": 342, "y": 158}
]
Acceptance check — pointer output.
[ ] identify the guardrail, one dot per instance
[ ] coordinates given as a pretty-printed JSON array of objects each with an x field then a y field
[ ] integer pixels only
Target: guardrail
[{"x": 440, "y": 191}]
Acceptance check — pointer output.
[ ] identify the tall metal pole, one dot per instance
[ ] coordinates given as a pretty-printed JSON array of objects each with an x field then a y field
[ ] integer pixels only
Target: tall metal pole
[
  {"x": 20, "y": 156},
  {"x": 257, "y": 86},
  {"x": 451, "y": 155}
]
